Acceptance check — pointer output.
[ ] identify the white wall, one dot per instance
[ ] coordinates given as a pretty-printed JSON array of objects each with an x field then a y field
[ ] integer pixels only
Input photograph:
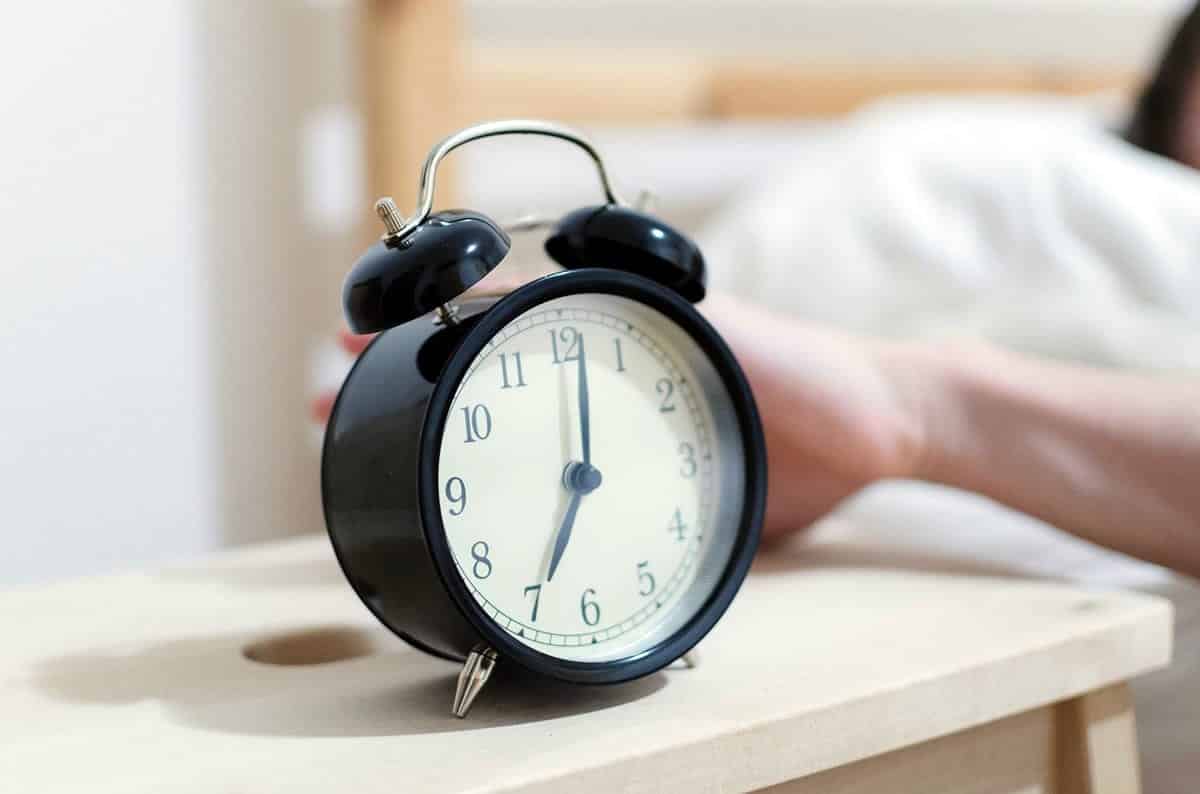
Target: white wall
[
  {"x": 1112, "y": 33},
  {"x": 105, "y": 419},
  {"x": 162, "y": 285}
]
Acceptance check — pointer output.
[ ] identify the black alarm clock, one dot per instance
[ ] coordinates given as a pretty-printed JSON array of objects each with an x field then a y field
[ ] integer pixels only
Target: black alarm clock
[{"x": 570, "y": 477}]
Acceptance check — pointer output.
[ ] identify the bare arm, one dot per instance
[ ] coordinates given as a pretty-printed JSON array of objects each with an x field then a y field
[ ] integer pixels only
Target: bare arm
[{"x": 1111, "y": 457}]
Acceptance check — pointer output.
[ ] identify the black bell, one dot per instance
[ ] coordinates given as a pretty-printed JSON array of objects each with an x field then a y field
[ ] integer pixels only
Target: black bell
[
  {"x": 624, "y": 239},
  {"x": 397, "y": 281}
]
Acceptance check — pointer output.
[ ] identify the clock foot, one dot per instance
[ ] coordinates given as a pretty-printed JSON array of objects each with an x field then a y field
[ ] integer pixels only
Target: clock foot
[
  {"x": 691, "y": 659},
  {"x": 475, "y": 673}
]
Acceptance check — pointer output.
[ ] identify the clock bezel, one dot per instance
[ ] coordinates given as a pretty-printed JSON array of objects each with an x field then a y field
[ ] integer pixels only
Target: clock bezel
[{"x": 677, "y": 310}]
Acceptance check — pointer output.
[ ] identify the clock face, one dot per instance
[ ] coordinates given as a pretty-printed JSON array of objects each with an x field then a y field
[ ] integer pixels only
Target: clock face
[{"x": 590, "y": 478}]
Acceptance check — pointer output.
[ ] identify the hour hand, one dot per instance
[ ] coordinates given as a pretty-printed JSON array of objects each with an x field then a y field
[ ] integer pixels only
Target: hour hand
[{"x": 564, "y": 533}]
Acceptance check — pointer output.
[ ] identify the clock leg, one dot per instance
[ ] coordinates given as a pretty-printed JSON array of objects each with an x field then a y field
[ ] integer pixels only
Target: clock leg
[
  {"x": 691, "y": 659},
  {"x": 475, "y": 673}
]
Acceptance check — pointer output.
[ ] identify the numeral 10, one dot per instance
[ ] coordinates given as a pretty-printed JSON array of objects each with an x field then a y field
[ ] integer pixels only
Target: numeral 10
[{"x": 478, "y": 421}]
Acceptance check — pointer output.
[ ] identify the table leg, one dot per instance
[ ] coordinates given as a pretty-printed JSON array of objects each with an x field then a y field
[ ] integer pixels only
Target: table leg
[{"x": 1096, "y": 743}]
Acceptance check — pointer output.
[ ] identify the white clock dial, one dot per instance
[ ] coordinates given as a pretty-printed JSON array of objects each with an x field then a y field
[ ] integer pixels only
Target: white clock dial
[{"x": 583, "y": 480}]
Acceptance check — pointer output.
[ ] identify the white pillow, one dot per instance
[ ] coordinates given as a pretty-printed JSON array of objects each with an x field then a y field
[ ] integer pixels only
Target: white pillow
[{"x": 1021, "y": 220}]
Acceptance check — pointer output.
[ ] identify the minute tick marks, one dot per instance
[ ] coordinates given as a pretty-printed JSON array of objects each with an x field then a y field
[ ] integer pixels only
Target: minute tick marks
[{"x": 583, "y": 410}]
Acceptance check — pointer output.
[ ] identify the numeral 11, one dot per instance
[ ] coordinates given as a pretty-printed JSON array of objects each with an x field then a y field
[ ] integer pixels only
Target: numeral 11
[{"x": 520, "y": 374}]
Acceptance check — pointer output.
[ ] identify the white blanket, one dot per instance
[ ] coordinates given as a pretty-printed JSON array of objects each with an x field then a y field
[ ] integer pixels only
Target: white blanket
[{"x": 1024, "y": 221}]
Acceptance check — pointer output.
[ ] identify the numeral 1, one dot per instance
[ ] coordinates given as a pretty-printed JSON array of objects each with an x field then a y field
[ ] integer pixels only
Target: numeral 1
[
  {"x": 520, "y": 380},
  {"x": 620, "y": 358}
]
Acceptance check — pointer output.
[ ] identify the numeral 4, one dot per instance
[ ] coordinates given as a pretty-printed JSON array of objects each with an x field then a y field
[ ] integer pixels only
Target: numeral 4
[{"x": 677, "y": 526}]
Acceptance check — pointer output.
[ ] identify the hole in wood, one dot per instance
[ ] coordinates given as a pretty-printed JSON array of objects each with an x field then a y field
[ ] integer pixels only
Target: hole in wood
[{"x": 314, "y": 646}]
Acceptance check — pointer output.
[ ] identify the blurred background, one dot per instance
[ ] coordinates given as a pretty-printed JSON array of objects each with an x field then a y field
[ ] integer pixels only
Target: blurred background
[{"x": 183, "y": 184}]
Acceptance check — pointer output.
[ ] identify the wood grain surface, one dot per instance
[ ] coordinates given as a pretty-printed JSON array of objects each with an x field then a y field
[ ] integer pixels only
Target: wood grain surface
[{"x": 259, "y": 670}]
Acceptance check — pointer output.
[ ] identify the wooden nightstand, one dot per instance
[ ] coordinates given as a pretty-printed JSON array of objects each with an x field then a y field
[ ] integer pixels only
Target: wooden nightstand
[{"x": 825, "y": 676}]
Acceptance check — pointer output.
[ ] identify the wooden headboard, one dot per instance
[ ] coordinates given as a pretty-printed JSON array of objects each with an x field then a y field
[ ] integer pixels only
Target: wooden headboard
[{"x": 425, "y": 74}]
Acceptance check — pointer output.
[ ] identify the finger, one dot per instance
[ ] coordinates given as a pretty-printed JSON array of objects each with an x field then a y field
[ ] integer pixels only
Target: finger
[
  {"x": 322, "y": 407},
  {"x": 354, "y": 343}
]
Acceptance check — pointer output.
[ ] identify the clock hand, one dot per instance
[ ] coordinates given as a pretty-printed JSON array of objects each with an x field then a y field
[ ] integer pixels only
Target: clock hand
[
  {"x": 579, "y": 478},
  {"x": 564, "y": 533},
  {"x": 585, "y": 420}
]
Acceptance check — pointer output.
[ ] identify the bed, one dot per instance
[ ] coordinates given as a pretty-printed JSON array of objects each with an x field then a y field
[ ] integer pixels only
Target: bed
[{"x": 702, "y": 125}]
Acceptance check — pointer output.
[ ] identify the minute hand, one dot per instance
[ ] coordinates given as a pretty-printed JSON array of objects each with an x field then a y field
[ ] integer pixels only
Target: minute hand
[{"x": 585, "y": 422}]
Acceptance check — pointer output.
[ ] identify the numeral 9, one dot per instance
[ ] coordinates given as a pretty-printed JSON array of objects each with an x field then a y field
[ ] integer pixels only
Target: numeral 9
[{"x": 456, "y": 492}]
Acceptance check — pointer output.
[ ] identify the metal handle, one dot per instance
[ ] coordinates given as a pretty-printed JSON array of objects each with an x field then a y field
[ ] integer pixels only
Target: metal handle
[{"x": 385, "y": 207}]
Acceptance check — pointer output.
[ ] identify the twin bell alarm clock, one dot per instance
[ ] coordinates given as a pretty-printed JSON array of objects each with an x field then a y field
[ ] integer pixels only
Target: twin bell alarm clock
[{"x": 569, "y": 478}]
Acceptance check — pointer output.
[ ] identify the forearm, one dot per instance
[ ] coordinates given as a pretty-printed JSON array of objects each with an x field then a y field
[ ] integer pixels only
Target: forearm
[{"x": 1113, "y": 458}]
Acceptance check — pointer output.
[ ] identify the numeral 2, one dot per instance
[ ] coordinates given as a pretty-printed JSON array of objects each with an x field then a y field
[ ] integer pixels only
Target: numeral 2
[{"x": 666, "y": 388}]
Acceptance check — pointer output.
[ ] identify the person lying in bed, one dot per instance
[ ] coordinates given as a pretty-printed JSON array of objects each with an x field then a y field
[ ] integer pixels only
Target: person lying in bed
[{"x": 1025, "y": 224}]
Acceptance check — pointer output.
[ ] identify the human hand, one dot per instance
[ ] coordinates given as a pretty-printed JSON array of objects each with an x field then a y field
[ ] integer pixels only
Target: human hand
[{"x": 838, "y": 412}]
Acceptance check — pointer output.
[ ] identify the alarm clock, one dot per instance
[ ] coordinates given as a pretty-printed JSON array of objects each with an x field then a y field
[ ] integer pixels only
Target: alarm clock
[{"x": 569, "y": 478}]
